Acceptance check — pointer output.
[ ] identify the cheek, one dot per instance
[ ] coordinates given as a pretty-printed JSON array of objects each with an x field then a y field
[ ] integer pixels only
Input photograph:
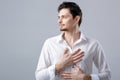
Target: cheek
[
  {"x": 65, "y": 21},
  {"x": 68, "y": 22}
]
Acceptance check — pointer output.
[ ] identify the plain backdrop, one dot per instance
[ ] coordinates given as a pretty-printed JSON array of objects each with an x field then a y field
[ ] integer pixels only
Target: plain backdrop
[{"x": 26, "y": 24}]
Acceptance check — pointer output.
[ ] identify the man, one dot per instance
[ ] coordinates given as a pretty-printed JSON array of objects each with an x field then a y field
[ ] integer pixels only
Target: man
[{"x": 70, "y": 55}]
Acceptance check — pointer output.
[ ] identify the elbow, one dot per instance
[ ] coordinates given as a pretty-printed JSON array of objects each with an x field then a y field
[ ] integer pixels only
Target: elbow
[
  {"x": 37, "y": 76},
  {"x": 105, "y": 76},
  {"x": 41, "y": 75}
]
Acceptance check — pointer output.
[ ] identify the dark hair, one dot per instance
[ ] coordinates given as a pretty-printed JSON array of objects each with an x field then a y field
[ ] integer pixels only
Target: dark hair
[{"x": 74, "y": 9}]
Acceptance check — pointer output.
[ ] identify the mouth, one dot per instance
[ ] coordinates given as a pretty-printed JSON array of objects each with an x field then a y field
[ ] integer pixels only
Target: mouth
[{"x": 61, "y": 25}]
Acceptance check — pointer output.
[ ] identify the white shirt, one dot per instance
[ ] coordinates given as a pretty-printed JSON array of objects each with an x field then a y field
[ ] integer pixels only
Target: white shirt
[{"x": 54, "y": 47}]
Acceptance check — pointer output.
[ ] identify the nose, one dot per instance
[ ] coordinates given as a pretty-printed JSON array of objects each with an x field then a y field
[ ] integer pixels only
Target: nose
[{"x": 59, "y": 20}]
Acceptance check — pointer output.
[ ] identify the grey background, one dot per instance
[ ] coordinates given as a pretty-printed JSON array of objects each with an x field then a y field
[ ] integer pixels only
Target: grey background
[{"x": 25, "y": 24}]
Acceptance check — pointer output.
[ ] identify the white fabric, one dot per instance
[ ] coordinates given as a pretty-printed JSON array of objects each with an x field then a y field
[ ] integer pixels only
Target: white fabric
[{"x": 54, "y": 47}]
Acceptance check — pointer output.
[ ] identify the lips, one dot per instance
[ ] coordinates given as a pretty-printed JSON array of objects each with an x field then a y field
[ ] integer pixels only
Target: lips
[{"x": 61, "y": 25}]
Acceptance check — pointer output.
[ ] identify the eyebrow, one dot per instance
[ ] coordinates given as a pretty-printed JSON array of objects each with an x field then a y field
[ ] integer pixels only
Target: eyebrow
[{"x": 64, "y": 15}]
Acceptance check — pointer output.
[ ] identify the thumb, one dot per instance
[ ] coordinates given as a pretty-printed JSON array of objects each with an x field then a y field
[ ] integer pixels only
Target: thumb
[
  {"x": 65, "y": 51},
  {"x": 77, "y": 68}
]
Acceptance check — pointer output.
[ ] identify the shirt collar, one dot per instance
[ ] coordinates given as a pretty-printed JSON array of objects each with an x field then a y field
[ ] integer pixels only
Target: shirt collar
[{"x": 82, "y": 37}]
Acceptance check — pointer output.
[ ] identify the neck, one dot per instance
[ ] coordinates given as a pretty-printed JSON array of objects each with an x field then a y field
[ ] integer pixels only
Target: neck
[{"x": 72, "y": 36}]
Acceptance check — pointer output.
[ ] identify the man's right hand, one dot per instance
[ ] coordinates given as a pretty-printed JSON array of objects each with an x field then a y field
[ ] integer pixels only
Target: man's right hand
[{"x": 68, "y": 59}]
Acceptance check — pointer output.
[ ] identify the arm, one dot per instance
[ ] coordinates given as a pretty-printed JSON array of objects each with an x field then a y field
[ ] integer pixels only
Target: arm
[
  {"x": 101, "y": 64},
  {"x": 76, "y": 74},
  {"x": 68, "y": 59},
  {"x": 45, "y": 71}
]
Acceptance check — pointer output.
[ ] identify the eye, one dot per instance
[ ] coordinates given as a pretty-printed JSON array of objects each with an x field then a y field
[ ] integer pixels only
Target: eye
[
  {"x": 63, "y": 16},
  {"x": 58, "y": 17}
]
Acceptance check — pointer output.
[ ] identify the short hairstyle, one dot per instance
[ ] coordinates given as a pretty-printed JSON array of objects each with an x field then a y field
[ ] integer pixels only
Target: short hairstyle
[{"x": 74, "y": 9}]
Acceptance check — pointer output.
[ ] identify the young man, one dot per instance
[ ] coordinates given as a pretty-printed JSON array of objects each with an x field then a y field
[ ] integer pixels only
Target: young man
[{"x": 70, "y": 55}]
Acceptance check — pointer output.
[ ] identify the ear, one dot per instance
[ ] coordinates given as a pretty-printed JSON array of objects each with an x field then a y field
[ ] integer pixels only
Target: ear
[{"x": 77, "y": 18}]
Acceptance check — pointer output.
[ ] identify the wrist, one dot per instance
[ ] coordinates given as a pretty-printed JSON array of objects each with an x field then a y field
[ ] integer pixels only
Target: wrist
[
  {"x": 88, "y": 77},
  {"x": 58, "y": 67}
]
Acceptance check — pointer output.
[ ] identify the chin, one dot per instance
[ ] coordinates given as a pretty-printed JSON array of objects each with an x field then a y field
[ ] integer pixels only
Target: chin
[{"x": 63, "y": 29}]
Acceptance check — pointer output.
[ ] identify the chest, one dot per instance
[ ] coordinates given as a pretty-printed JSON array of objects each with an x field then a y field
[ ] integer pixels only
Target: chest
[{"x": 57, "y": 50}]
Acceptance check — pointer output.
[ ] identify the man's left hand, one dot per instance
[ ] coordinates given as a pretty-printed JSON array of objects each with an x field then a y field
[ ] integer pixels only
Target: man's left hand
[{"x": 77, "y": 74}]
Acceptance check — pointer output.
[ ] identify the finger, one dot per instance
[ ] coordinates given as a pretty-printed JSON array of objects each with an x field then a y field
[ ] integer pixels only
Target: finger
[
  {"x": 66, "y": 72},
  {"x": 65, "y": 51},
  {"x": 78, "y": 68},
  {"x": 80, "y": 54},
  {"x": 77, "y": 58},
  {"x": 75, "y": 52},
  {"x": 66, "y": 76},
  {"x": 81, "y": 70}
]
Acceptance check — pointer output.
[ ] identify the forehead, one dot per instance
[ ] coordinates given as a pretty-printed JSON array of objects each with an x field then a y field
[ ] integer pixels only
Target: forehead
[{"x": 64, "y": 11}]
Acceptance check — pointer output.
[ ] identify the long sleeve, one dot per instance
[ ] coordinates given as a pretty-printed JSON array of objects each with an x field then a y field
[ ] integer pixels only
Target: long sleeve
[
  {"x": 45, "y": 71},
  {"x": 101, "y": 64}
]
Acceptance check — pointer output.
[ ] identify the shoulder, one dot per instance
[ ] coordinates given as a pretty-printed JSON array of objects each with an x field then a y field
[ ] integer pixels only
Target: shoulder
[
  {"x": 52, "y": 39},
  {"x": 94, "y": 44},
  {"x": 92, "y": 41}
]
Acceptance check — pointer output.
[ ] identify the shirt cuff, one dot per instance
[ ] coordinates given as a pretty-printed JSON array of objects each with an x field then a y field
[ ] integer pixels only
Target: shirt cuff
[
  {"x": 51, "y": 71},
  {"x": 94, "y": 77}
]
